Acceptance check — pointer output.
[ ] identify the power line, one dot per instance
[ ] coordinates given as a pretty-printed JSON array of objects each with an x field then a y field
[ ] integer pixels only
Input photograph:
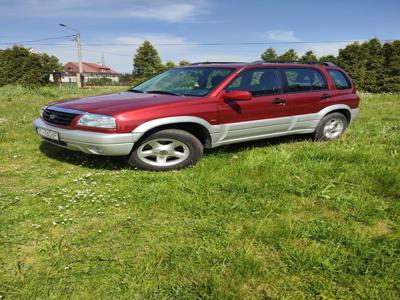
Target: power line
[
  {"x": 233, "y": 43},
  {"x": 39, "y": 40},
  {"x": 110, "y": 53},
  {"x": 34, "y": 43}
]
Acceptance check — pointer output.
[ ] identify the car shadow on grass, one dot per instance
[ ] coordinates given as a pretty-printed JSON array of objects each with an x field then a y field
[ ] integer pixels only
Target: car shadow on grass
[
  {"x": 85, "y": 160},
  {"x": 120, "y": 162}
]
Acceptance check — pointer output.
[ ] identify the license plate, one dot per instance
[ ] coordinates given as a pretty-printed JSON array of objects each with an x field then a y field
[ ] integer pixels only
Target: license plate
[{"x": 50, "y": 134}]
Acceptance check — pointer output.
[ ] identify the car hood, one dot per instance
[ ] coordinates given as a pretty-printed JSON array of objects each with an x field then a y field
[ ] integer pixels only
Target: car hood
[{"x": 112, "y": 104}]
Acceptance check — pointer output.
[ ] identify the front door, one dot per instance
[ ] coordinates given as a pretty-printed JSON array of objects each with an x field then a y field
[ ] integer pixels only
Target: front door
[{"x": 265, "y": 114}]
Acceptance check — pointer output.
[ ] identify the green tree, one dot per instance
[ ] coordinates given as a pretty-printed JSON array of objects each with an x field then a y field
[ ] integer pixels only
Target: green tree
[
  {"x": 328, "y": 58},
  {"x": 391, "y": 52},
  {"x": 309, "y": 56},
  {"x": 184, "y": 62},
  {"x": 146, "y": 62},
  {"x": 269, "y": 54},
  {"x": 170, "y": 65},
  {"x": 18, "y": 65},
  {"x": 374, "y": 65},
  {"x": 289, "y": 55},
  {"x": 353, "y": 59}
]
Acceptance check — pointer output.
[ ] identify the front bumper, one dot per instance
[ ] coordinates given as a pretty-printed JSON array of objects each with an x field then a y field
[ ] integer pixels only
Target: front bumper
[{"x": 112, "y": 144}]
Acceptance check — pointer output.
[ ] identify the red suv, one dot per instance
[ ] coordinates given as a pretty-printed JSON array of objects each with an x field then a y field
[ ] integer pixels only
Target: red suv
[{"x": 165, "y": 122}]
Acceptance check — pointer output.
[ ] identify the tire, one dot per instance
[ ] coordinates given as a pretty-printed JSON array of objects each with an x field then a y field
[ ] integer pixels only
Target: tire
[
  {"x": 164, "y": 150},
  {"x": 331, "y": 127}
]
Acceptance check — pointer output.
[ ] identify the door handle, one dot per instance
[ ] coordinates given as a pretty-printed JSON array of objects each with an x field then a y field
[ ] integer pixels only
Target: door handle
[
  {"x": 325, "y": 96},
  {"x": 278, "y": 101}
]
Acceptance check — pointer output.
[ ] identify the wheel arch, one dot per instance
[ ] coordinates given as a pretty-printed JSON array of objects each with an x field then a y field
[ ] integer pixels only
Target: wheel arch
[
  {"x": 198, "y": 127},
  {"x": 338, "y": 108}
]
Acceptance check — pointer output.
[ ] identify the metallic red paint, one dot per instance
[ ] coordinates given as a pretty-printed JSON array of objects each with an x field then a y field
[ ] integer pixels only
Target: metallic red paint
[{"x": 133, "y": 109}]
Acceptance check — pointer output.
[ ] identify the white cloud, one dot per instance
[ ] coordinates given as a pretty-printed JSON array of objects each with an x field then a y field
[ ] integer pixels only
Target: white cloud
[
  {"x": 169, "y": 11},
  {"x": 321, "y": 49},
  {"x": 173, "y": 12},
  {"x": 281, "y": 35}
]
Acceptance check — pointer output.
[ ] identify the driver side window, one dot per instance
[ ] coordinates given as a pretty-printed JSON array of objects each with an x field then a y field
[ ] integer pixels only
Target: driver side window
[{"x": 259, "y": 82}]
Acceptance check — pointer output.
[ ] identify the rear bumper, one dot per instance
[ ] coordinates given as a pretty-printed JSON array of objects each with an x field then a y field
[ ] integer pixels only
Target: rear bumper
[
  {"x": 112, "y": 144},
  {"x": 354, "y": 113}
]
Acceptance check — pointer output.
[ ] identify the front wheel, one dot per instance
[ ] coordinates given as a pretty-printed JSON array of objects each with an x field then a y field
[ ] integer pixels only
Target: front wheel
[
  {"x": 331, "y": 127},
  {"x": 168, "y": 149}
]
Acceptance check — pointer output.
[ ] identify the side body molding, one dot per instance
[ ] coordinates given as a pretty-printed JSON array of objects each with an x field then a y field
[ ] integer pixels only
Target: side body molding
[{"x": 252, "y": 130}]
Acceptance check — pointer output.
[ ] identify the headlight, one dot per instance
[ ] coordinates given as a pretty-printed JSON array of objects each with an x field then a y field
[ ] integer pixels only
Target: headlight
[
  {"x": 41, "y": 110},
  {"x": 93, "y": 120}
]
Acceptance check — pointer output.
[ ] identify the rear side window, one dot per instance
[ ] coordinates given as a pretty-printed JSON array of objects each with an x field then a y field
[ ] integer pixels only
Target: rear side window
[
  {"x": 341, "y": 80},
  {"x": 258, "y": 81},
  {"x": 304, "y": 80}
]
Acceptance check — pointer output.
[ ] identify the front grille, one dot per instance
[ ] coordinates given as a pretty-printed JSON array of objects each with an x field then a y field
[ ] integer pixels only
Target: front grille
[{"x": 58, "y": 117}]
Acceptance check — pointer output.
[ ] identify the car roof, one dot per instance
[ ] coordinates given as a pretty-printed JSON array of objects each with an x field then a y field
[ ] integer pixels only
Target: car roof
[{"x": 277, "y": 63}]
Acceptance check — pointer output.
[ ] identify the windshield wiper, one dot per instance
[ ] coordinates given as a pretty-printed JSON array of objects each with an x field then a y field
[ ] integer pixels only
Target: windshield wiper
[
  {"x": 135, "y": 91},
  {"x": 164, "y": 92}
]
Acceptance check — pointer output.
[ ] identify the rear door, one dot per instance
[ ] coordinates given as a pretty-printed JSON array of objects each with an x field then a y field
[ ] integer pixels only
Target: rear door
[
  {"x": 265, "y": 113},
  {"x": 306, "y": 91}
]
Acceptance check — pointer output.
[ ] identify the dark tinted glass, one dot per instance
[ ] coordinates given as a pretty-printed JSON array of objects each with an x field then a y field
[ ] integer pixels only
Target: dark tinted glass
[
  {"x": 341, "y": 80},
  {"x": 258, "y": 82},
  {"x": 304, "y": 80}
]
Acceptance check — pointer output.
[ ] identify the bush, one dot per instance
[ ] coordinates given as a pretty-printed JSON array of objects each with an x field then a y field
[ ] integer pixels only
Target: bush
[{"x": 18, "y": 65}]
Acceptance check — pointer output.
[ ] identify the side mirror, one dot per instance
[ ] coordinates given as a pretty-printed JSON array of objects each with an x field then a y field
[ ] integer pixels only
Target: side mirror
[{"x": 237, "y": 96}]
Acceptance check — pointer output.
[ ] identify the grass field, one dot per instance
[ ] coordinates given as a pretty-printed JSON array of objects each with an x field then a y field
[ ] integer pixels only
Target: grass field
[{"x": 285, "y": 218}]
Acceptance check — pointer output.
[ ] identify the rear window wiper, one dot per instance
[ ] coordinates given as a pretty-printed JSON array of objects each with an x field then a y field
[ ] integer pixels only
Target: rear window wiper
[
  {"x": 164, "y": 92},
  {"x": 135, "y": 91}
]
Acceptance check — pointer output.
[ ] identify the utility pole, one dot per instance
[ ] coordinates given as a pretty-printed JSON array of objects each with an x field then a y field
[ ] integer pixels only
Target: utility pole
[{"x": 79, "y": 76}]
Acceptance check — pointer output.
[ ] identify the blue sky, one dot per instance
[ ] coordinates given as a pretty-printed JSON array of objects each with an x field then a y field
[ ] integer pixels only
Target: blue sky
[{"x": 195, "y": 21}]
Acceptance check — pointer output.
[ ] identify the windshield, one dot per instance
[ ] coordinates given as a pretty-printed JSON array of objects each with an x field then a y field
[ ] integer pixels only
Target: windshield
[{"x": 185, "y": 81}]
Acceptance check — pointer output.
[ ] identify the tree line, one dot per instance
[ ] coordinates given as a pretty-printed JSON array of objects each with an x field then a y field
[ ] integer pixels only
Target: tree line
[{"x": 373, "y": 66}]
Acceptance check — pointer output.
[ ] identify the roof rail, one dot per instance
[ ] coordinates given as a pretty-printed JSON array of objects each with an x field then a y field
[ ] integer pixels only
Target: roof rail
[
  {"x": 215, "y": 62},
  {"x": 309, "y": 62}
]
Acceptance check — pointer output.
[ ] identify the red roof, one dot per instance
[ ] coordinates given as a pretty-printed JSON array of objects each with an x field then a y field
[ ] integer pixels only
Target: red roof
[{"x": 73, "y": 68}]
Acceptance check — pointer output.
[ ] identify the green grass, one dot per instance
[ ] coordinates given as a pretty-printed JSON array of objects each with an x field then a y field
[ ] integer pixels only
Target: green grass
[{"x": 285, "y": 218}]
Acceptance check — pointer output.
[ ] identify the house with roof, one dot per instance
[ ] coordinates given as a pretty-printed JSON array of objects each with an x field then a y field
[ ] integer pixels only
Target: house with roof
[{"x": 90, "y": 71}]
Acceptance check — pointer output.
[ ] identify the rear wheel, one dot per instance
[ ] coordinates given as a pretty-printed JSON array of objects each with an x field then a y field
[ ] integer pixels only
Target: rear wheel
[
  {"x": 331, "y": 127},
  {"x": 166, "y": 150}
]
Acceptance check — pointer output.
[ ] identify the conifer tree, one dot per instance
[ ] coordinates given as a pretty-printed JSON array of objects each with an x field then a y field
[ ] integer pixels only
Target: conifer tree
[
  {"x": 147, "y": 62},
  {"x": 184, "y": 62},
  {"x": 353, "y": 60},
  {"x": 169, "y": 65},
  {"x": 374, "y": 65},
  {"x": 269, "y": 54},
  {"x": 309, "y": 56},
  {"x": 289, "y": 55},
  {"x": 391, "y": 52}
]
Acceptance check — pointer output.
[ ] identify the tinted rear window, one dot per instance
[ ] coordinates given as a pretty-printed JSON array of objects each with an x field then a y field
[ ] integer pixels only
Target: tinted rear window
[
  {"x": 304, "y": 80},
  {"x": 340, "y": 79}
]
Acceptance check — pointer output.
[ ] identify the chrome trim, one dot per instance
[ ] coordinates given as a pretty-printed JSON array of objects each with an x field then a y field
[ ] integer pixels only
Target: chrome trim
[{"x": 66, "y": 110}]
